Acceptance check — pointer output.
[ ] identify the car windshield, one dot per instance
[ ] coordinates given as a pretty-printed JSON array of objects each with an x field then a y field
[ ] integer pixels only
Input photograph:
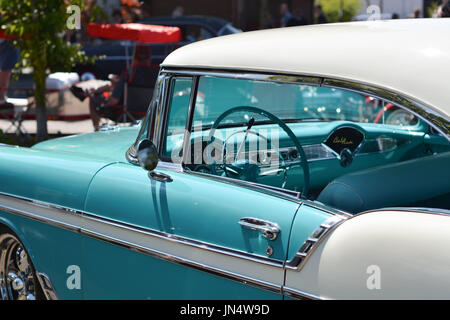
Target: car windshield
[
  {"x": 228, "y": 29},
  {"x": 288, "y": 102}
]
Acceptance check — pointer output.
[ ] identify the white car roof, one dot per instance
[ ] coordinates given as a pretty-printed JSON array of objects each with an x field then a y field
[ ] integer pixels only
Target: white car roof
[{"x": 410, "y": 56}]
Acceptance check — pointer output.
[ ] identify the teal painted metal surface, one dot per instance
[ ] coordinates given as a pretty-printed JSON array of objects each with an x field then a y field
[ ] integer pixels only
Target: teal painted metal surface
[
  {"x": 117, "y": 273},
  {"x": 189, "y": 206},
  {"x": 51, "y": 177},
  {"x": 107, "y": 145}
]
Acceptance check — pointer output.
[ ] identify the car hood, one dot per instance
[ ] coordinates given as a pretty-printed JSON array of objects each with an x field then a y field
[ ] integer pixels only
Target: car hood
[{"x": 103, "y": 145}]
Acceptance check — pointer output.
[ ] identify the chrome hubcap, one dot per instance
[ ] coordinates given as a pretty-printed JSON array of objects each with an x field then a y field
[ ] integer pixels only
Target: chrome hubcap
[{"x": 17, "y": 281}]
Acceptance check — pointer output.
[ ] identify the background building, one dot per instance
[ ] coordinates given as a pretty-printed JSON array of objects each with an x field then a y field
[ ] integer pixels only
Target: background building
[
  {"x": 244, "y": 14},
  {"x": 404, "y": 8}
]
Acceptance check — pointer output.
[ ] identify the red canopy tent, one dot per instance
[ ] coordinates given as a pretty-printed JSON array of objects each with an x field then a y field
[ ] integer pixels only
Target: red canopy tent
[
  {"x": 135, "y": 32},
  {"x": 3, "y": 35}
]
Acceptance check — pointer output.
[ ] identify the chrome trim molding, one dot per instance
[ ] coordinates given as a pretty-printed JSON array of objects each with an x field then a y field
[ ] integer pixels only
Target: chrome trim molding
[
  {"x": 46, "y": 286},
  {"x": 131, "y": 155},
  {"x": 282, "y": 78},
  {"x": 285, "y": 194},
  {"x": 188, "y": 263},
  {"x": 301, "y": 295},
  {"x": 74, "y": 219},
  {"x": 437, "y": 120},
  {"x": 313, "y": 241},
  {"x": 268, "y": 229},
  {"x": 177, "y": 239},
  {"x": 129, "y": 227},
  {"x": 436, "y": 211}
]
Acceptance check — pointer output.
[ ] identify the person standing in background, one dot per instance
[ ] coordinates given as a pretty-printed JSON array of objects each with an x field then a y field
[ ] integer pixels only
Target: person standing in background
[
  {"x": 286, "y": 15},
  {"x": 319, "y": 15},
  {"x": 178, "y": 12},
  {"x": 9, "y": 56}
]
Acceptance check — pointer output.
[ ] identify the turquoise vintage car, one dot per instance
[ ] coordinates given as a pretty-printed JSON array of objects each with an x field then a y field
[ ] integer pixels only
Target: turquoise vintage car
[{"x": 289, "y": 163}]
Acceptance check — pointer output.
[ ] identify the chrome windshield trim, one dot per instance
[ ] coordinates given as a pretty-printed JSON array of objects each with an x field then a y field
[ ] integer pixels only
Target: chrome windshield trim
[
  {"x": 281, "y": 78},
  {"x": 438, "y": 121}
]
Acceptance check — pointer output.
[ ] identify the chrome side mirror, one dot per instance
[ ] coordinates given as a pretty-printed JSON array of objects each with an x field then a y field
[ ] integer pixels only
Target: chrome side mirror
[{"x": 147, "y": 155}]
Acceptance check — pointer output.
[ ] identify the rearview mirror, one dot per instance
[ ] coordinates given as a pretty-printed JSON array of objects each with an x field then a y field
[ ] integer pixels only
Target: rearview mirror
[{"x": 147, "y": 155}]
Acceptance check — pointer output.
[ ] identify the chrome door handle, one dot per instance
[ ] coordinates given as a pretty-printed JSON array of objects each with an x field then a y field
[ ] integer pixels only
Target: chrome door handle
[{"x": 268, "y": 229}]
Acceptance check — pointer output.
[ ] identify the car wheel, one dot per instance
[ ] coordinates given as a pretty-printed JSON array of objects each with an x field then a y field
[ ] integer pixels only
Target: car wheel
[{"x": 18, "y": 279}]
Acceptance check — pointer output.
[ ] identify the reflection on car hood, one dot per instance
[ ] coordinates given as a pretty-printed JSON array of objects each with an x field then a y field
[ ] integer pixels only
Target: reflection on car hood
[{"x": 108, "y": 145}]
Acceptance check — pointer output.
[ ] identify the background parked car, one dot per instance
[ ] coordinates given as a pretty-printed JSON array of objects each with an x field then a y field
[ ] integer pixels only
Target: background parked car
[{"x": 193, "y": 28}]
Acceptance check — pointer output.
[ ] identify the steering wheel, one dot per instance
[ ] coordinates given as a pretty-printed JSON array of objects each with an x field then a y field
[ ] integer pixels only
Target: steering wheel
[{"x": 248, "y": 169}]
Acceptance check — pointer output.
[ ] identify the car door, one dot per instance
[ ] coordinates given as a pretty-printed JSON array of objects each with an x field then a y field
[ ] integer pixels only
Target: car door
[{"x": 175, "y": 234}]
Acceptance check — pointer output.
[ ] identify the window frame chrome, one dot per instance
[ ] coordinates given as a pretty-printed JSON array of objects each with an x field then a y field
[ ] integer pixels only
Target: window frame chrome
[{"x": 417, "y": 108}]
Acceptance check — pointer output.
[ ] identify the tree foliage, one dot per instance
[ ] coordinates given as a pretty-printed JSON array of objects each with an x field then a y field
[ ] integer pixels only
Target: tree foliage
[
  {"x": 332, "y": 9},
  {"x": 38, "y": 27}
]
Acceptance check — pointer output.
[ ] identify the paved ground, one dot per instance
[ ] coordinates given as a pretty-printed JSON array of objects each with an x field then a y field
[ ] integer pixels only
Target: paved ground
[{"x": 54, "y": 127}]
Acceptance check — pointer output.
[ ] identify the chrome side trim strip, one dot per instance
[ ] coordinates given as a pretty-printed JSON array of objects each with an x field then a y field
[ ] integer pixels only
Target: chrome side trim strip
[
  {"x": 87, "y": 218},
  {"x": 189, "y": 263},
  {"x": 177, "y": 239},
  {"x": 301, "y": 295},
  {"x": 89, "y": 225},
  {"x": 81, "y": 222}
]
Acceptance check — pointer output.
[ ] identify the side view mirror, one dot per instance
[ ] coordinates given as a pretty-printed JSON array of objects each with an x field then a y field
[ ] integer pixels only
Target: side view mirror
[{"x": 147, "y": 155}]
